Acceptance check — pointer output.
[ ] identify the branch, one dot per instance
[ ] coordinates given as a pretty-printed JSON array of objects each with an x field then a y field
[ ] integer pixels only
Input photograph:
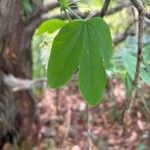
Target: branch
[
  {"x": 140, "y": 40},
  {"x": 140, "y": 31},
  {"x": 138, "y": 5},
  {"x": 89, "y": 124},
  {"x": 18, "y": 84},
  {"x": 39, "y": 10},
  {"x": 147, "y": 14},
  {"x": 104, "y": 8},
  {"x": 109, "y": 11},
  {"x": 92, "y": 14},
  {"x": 36, "y": 18}
]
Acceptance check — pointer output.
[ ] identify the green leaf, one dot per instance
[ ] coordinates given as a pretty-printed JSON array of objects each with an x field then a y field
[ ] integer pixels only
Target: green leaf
[
  {"x": 50, "y": 26},
  {"x": 147, "y": 57},
  {"x": 141, "y": 146},
  {"x": 83, "y": 44},
  {"x": 101, "y": 36},
  {"x": 65, "y": 54},
  {"x": 129, "y": 62},
  {"x": 63, "y": 4},
  {"x": 92, "y": 77},
  {"x": 145, "y": 75}
]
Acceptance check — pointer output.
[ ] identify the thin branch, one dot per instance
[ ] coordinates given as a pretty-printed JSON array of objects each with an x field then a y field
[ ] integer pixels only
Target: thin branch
[
  {"x": 140, "y": 31},
  {"x": 88, "y": 123},
  {"x": 109, "y": 11},
  {"x": 67, "y": 124},
  {"x": 104, "y": 8},
  {"x": 140, "y": 47},
  {"x": 36, "y": 18},
  {"x": 138, "y": 5},
  {"x": 147, "y": 15},
  {"x": 18, "y": 84}
]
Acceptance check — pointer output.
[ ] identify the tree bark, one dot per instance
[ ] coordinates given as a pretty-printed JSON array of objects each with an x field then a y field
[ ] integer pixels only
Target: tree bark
[{"x": 15, "y": 59}]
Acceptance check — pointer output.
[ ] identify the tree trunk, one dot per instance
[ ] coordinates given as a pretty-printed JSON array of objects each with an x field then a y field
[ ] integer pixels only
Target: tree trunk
[{"x": 15, "y": 59}]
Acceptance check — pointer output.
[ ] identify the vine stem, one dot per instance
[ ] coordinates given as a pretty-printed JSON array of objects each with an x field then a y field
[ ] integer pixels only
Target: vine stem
[
  {"x": 88, "y": 122},
  {"x": 140, "y": 29},
  {"x": 71, "y": 11},
  {"x": 104, "y": 8}
]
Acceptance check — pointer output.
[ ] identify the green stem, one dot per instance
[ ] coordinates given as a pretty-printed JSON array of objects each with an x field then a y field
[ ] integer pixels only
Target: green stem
[{"x": 74, "y": 13}]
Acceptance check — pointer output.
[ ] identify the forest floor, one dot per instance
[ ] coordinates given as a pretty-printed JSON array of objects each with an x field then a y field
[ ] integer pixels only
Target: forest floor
[{"x": 62, "y": 122}]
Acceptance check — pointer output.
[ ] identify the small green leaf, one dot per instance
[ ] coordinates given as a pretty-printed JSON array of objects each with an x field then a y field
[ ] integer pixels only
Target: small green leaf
[
  {"x": 63, "y": 4},
  {"x": 50, "y": 26},
  {"x": 145, "y": 75}
]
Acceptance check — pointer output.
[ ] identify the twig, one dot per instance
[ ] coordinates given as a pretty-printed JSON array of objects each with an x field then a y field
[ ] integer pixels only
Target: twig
[
  {"x": 101, "y": 13},
  {"x": 76, "y": 15},
  {"x": 110, "y": 11},
  {"x": 104, "y": 8},
  {"x": 58, "y": 101},
  {"x": 138, "y": 5},
  {"x": 147, "y": 14},
  {"x": 68, "y": 124},
  {"x": 36, "y": 18},
  {"x": 88, "y": 123},
  {"x": 18, "y": 84}
]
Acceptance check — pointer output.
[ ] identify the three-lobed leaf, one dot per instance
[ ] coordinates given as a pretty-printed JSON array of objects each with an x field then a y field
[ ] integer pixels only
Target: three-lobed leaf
[{"x": 85, "y": 45}]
